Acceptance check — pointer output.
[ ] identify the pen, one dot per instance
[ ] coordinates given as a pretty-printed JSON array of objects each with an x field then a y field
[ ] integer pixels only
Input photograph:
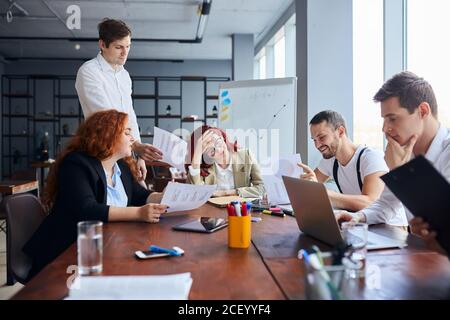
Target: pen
[
  {"x": 319, "y": 254},
  {"x": 314, "y": 261},
  {"x": 273, "y": 213},
  {"x": 237, "y": 207},
  {"x": 157, "y": 249}
]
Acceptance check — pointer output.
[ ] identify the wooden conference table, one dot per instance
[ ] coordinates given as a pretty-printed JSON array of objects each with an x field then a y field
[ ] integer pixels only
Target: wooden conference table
[{"x": 269, "y": 269}]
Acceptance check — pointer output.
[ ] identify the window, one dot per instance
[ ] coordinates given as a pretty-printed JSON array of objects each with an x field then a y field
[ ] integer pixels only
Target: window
[
  {"x": 428, "y": 48},
  {"x": 368, "y": 66},
  {"x": 262, "y": 67},
  {"x": 276, "y": 58},
  {"x": 279, "y": 55}
]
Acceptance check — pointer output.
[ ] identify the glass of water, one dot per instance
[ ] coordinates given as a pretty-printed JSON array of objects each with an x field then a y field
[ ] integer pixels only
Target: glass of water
[
  {"x": 355, "y": 235},
  {"x": 90, "y": 247}
]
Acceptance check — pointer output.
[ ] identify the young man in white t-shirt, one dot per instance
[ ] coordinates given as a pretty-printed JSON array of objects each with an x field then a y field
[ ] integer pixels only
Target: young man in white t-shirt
[{"x": 356, "y": 169}]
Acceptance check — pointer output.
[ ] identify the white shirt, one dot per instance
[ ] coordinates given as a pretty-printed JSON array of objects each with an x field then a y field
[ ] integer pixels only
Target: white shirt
[
  {"x": 100, "y": 87},
  {"x": 372, "y": 161},
  {"x": 224, "y": 177},
  {"x": 388, "y": 209},
  {"x": 116, "y": 195}
]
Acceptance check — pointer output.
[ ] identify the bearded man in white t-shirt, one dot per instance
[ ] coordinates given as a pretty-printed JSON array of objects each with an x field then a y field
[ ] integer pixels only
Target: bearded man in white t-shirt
[{"x": 356, "y": 169}]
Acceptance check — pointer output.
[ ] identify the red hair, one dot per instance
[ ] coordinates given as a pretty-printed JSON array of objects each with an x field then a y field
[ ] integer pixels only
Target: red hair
[
  {"x": 197, "y": 134},
  {"x": 98, "y": 137}
]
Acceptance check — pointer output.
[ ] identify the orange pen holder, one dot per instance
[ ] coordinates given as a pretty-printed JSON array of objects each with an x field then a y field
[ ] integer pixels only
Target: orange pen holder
[{"x": 239, "y": 231}]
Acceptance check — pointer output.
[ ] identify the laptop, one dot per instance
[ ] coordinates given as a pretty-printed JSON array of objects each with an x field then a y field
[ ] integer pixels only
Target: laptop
[{"x": 315, "y": 216}]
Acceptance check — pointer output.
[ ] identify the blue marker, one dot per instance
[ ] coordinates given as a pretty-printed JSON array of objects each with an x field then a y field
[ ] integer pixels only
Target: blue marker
[{"x": 157, "y": 249}]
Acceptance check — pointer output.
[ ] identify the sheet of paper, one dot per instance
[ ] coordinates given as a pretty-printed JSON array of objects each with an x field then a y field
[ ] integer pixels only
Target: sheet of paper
[
  {"x": 273, "y": 183},
  {"x": 174, "y": 148},
  {"x": 275, "y": 189},
  {"x": 181, "y": 196},
  {"x": 165, "y": 287},
  {"x": 287, "y": 166}
]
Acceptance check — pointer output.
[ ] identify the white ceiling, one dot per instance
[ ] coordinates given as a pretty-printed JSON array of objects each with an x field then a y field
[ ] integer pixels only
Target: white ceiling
[{"x": 170, "y": 19}]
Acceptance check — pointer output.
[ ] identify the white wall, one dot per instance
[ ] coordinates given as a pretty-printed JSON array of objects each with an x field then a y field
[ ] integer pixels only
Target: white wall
[
  {"x": 242, "y": 56},
  {"x": 324, "y": 66}
]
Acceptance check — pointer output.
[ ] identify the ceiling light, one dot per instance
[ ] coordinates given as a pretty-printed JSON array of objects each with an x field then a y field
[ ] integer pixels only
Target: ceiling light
[
  {"x": 9, "y": 16},
  {"x": 204, "y": 10}
]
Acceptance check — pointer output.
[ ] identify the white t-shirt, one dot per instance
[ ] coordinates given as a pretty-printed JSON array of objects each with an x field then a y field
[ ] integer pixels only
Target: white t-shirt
[{"x": 372, "y": 161}]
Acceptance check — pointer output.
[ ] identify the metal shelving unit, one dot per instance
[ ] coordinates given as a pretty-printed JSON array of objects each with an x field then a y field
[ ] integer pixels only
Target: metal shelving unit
[{"x": 61, "y": 112}]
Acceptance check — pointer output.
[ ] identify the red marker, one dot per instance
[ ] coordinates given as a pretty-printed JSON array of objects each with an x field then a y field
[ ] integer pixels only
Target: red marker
[
  {"x": 230, "y": 209},
  {"x": 244, "y": 208}
]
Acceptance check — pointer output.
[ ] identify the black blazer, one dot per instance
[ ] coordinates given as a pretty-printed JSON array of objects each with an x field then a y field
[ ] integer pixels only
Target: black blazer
[{"x": 81, "y": 196}]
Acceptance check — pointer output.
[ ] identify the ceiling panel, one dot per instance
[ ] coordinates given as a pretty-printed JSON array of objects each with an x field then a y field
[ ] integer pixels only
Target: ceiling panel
[{"x": 156, "y": 19}]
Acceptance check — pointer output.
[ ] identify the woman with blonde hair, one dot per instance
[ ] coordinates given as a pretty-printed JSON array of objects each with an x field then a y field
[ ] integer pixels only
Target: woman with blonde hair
[{"x": 94, "y": 178}]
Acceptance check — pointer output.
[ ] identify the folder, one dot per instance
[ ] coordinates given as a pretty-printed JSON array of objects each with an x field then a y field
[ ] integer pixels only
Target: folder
[{"x": 425, "y": 192}]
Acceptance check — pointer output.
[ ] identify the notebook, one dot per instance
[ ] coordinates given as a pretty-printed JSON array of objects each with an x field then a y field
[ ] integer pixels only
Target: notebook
[{"x": 222, "y": 202}]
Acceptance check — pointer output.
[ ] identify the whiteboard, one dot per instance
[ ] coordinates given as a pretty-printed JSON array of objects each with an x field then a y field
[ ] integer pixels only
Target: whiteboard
[{"x": 260, "y": 115}]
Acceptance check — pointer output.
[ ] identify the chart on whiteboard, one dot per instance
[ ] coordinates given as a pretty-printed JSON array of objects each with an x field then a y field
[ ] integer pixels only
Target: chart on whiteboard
[{"x": 260, "y": 115}]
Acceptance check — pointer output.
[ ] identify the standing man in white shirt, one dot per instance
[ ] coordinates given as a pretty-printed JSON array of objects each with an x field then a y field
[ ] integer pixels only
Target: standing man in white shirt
[
  {"x": 411, "y": 126},
  {"x": 356, "y": 169},
  {"x": 103, "y": 83}
]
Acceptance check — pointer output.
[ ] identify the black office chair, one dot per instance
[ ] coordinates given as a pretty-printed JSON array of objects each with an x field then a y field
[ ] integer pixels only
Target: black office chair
[
  {"x": 27, "y": 174},
  {"x": 2, "y": 216},
  {"x": 24, "y": 214}
]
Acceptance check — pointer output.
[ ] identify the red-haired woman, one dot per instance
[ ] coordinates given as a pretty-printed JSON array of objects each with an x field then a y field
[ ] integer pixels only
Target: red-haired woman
[
  {"x": 215, "y": 160},
  {"x": 94, "y": 178}
]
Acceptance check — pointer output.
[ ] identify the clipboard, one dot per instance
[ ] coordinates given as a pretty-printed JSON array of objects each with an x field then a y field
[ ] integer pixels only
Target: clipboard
[{"x": 425, "y": 192}]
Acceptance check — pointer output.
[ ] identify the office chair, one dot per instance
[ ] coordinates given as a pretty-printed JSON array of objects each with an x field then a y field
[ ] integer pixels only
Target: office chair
[
  {"x": 24, "y": 214},
  {"x": 2, "y": 216}
]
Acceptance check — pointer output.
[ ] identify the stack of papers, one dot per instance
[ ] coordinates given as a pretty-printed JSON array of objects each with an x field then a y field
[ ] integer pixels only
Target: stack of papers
[{"x": 166, "y": 287}]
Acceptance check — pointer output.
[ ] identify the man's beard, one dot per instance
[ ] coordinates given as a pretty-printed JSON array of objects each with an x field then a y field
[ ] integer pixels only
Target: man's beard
[{"x": 331, "y": 151}]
